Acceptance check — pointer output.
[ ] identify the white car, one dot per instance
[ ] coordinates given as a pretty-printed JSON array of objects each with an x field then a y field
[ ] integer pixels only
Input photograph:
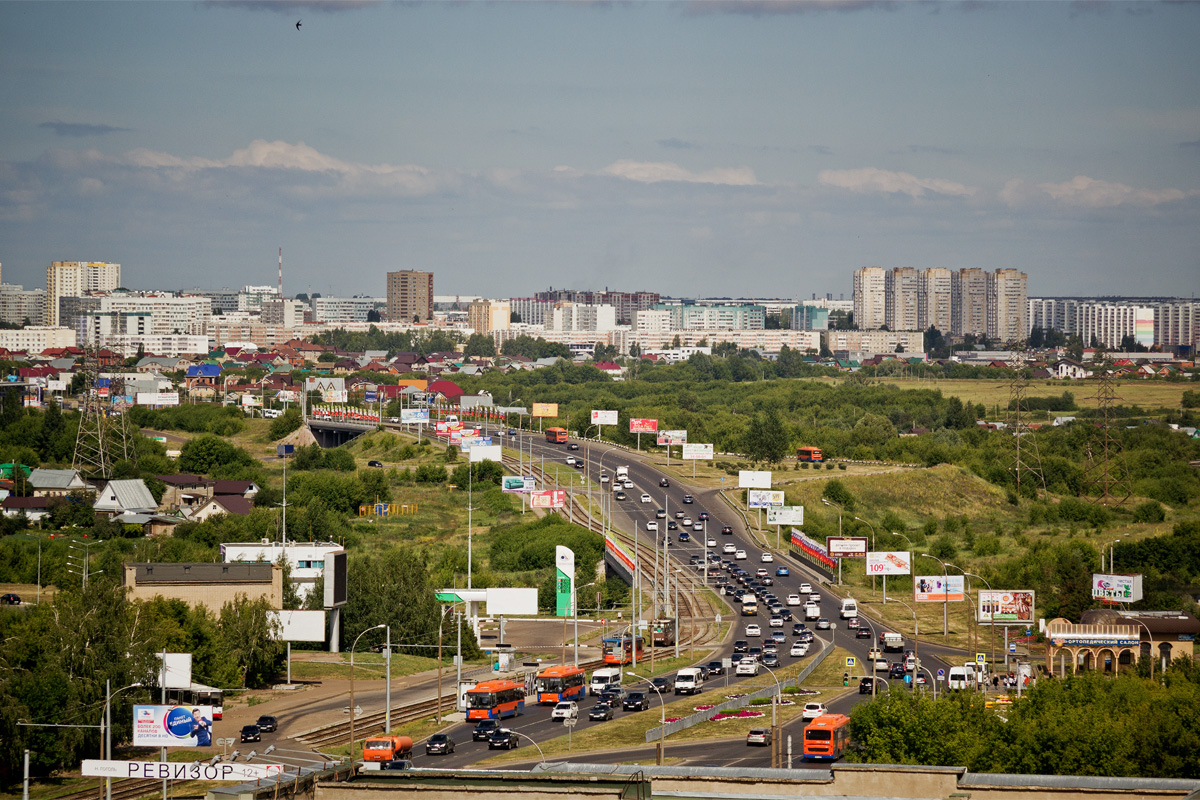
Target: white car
[
  {"x": 806, "y": 588},
  {"x": 571, "y": 460},
  {"x": 711, "y": 543},
  {"x": 815, "y": 597},
  {"x": 767, "y": 558},
  {"x": 646, "y": 498},
  {"x": 811, "y": 710},
  {"x": 698, "y": 527},
  {"x": 651, "y": 525},
  {"x": 799, "y": 649},
  {"x": 753, "y": 630},
  {"x": 729, "y": 548},
  {"x": 686, "y": 522},
  {"x": 775, "y": 622},
  {"x": 740, "y": 555},
  {"x": 628, "y": 483},
  {"x": 603, "y": 478},
  {"x": 793, "y": 599},
  {"x": 660, "y": 514},
  {"x": 747, "y": 666},
  {"x": 566, "y": 710}
]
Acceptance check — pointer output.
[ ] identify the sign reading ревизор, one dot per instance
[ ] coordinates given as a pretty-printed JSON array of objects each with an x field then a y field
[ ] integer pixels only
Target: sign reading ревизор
[{"x": 180, "y": 771}]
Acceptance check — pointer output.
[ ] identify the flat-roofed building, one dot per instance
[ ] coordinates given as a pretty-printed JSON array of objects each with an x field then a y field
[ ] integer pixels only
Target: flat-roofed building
[
  {"x": 1007, "y": 306},
  {"x": 76, "y": 279},
  {"x": 409, "y": 296},
  {"x": 934, "y": 300},
  {"x": 18, "y": 305},
  {"x": 870, "y": 298},
  {"x": 485, "y": 316},
  {"x": 901, "y": 310},
  {"x": 205, "y": 584},
  {"x": 968, "y": 309}
]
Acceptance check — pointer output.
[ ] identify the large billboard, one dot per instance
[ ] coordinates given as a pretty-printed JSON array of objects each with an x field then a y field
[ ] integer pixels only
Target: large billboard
[
  {"x": 172, "y": 726},
  {"x": 517, "y": 483},
  {"x": 158, "y": 398},
  {"x": 550, "y": 498},
  {"x": 785, "y": 515},
  {"x": 697, "y": 452},
  {"x": 180, "y": 770},
  {"x": 638, "y": 425},
  {"x": 812, "y": 547},
  {"x": 666, "y": 438},
  {"x": 1015, "y": 607},
  {"x": 847, "y": 546},
  {"x": 754, "y": 479},
  {"x": 335, "y": 579},
  {"x": 604, "y": 417},
  {"x": 299, "y": 626},
  {"x": 509, "y": 602},
  {"x": 485, "y": 452},
  {"x": 545, "y": 410},
  {"x": 1117, "y": 588},
  {"x": 1143, "y": 325},
  {"x": 939, "y": 589},
  {"x": 564, "y": 584},
  {"x": 414, "y": 416},
  {"x": 889, "y": 562},
  {"x": 763, "y": 498}
]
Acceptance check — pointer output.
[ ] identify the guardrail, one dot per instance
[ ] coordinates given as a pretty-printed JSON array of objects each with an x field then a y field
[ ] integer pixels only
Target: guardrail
[{"x": 683, "y": 723}]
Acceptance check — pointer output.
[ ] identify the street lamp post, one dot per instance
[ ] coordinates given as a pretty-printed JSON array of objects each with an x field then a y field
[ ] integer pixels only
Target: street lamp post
[
  {"x": 352, "y": 646},
  {"x": 838, "y": 506},
  {"x": 109, "y": 695},
  {"x": 774, "y": 717},
  {"x": 872, "y": 527},
  {"x": 911, "y": 550},
  {"x": 992, "y": 626},
  {"x": 662, "y": 728},
  {"x": 916, "y": 640},
  {"x": 945, "y": 598},
  {"x": 535, "y": 744}
]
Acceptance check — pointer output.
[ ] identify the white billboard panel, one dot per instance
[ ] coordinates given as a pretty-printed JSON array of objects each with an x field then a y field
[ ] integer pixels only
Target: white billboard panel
[
  {"x": 1014, "y": 607},
  {"x": 697, "y": 452},
  {"x": 158, "y": 398},
  {"x": 172, "y": 726},
  {"x": 754, "y": 479},
  {"x": 666, "y": 438},
  {"x": 512, "y": 602},
  {"x": 485, "y": 452},
  {"x": 180, "y": 770},
  {"x": 414, "y": 416},
  {"x": 1117, "y": 588},
  {"x": 785, "y": 515},
  {"x": 517, "y": 483},
  {"x": 761, "y": 498},
  {"x": 178, "y": 672},
  {"x": 298, "y": 626},
  {"x": 889, "y": 562},
  {"x": 604, "y": 417}
]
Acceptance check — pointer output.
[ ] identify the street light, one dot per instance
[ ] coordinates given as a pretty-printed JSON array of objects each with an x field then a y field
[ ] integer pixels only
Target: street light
[
  {"x": 945, "y": 598},
  {"x": 829, "y": 502},
  {"x": 872, "y": 527},
  {"x": 916, "y": 640},
  {"x": 992, "y": 626},
  {"x": 535, "y": 744},
  {"x": 662, "y": 728},
  {"x": 108, "y": 696},
  {"x": 364, "y": 633},
  {"x": 774, "y": 716}
]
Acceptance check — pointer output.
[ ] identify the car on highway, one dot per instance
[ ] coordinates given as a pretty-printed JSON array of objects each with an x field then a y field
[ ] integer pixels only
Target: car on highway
[
  {"x": 798, "y": 627},
  {"x": 759, "y": 736},
  {"x": 793, "y": 599},
  {"x": 484, "y": 729},
  {"x": 603, "y": 478},
  {"x": 601, "y": 712},
  {"x": 635, "y": 701},
  {"x": 646, "y": 498},
  {"x": 684, "y": 536},
  {"x": 866, "y": 685},
  {"x": 798, "y": 649},
  {"x": 729, "y": 547},
  {"x": 251, "y": 733},
  {"x": 578, "y": 463},
  {"x": 568, "y": 709},
  {"x": 502, "y": 739},
  {"x": 805, "y": 636},
  {"x": 660, "y": 514},
  {"x": 747, "y": 666},
  {"x": 628, "y": 484},
  {"x": 753, "y": 630},
  {"x": 741, "y": 646},
  {"x": 775, "y": 622},
  {"x": 852, "y": 623},
  {"x": 698, "y": 527},
  {"x": 663, "y": 482},
  {"x": 439, "y": 744},
  {"x": 572, "y": 446},
  {"x": 10, "y": 599},
  {"x": 896, "y": 671},
  {"x": 377, "y": 464},
  {"x": 806, "y": 588},
  {"x": 862, "y": 633},
  {"x": 663, "y": 682},
  {"x": 612, "y": 694},
  {"x": 710, "y": 542},
  {"x": 671, "y": 526},
  {"x": 687, "y": 498},
  {"x": 716, "y": 668},
  {"x": 619, "y": 495},
  {"x": 766, "y": 558},
  {"x": 823, "y": 624},
  {"x": 761, "y": 572},
  {"x": 570, "y": 461},
  {"x": 727, "y": 530},
  {"x": 512, "y": 431},
  {"x": 651, "y": 525},
  {"x": 703, "y": 515},
  {"x": 782, "y": 572},
  {"x": 740, "y": 555},
  {"x": 687, "y": 522},
  {"x": 267, "y": 723},
  {"x": 812, "y": 710},
  {"x": 770, "y": 660}
]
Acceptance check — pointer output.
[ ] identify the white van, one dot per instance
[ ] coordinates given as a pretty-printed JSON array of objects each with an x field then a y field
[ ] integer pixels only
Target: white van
[
  {"x": 959, "y": 678},
  {"x": 812, "y": 611},
  {"x": 603, "y": 678},
  {"x": 849, "y": 608},
  {"x": 689, "y": 681}
]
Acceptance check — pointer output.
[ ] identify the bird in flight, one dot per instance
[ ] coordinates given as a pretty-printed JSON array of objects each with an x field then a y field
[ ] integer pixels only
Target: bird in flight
[{"x": 297, "y": 24}]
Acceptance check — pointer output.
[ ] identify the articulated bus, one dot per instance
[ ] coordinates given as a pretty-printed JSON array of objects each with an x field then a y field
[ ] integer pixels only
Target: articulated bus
[
  {"x": 198, "y": 695},
  {"x": 556, "y": 684},
  {"x": 556, "y": 435},
  {"x": 809, "y": 454},
  {"x": 826, "y": 737},
  {"x": 495, "y": 700},
  {"x": 621, "y": 649}
]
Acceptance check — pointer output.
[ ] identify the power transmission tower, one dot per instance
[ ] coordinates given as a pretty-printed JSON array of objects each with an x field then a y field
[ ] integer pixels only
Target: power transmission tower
[
  {"x": 1026, "y": 462},
  {"x": 1107, "y": 473},
  {"x": 103, "y": 436}
]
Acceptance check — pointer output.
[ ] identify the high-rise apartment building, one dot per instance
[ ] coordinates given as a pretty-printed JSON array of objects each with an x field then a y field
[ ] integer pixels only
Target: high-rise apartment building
[
  {"x": 530, "y": 310},
  {"x": 934, "y": 304},
  {"x": 901, "y": 299},
  {"x": 1007, "y": 306},
  {"x": 342, "y": 309},
  {"x": 870, "y": 302},
  {"x": 75, "y": 279},
  {"x": 485, "y": 316},
  {"x": 968, "y": 302},
  {"x": 626, "y": 303},
  {"x": 409, "y": 296},
  {"x": 18, "y": 304}
]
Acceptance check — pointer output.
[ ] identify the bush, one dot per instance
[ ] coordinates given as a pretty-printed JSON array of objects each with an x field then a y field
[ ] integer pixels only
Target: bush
[
  {"x": 1149, "y": 511},
  {"x": 943, "y": 547},
  {"x": 283, "y": 425},
  {"x": 841, "y": 466}
]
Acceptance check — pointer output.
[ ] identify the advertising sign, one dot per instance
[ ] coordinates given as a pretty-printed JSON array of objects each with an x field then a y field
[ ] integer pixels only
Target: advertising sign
[
  {"x": 56, "y": 385},
  {"x": 287, "y": 396},
  {"x": 1015, "y": 607},
  {"x": 485, "y": 452},
  {"x": 172, "y": 726},
  {"x": 158, "y": 398},
  {"x": 697, "y": 452},
  {"x": 667, "y": 438},
  {"x": 251, "y": 400},
  {"x": 180, "y": 771},
  {"x": 414, "y": 416},
  {"x": 785, "y": 515},
  {"x": 298, "y": 626},
  {"x": 812, "y": 548},
  {"x": 643, "y": 426},
  {"x": 509, "y": 602},
  {"x": 324, "y": 385},
  {"x": 940, "y": 589},
  {"x": 517, "y": 483},
  {"x": 370, "y": 396},
  {"x": 604, "y": 417},
  {"x": 1117, "y": 588},
  {"x": 545, "y": 410},
  {"x": 548, "y": 498},
  {"x": 847, "y": 546},
  {"x": 754, "y": 479},
  {"x": 564, "y": 583},
  {"x": 763, "y": 498},
  {"x": 889, "y": 562}
]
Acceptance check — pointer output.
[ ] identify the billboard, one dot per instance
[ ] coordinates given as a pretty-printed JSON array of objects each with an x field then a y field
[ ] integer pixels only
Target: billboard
[
  {"x": 172, "y": 726},
  {"x": 643, "y": 426},
  {"x": 1143, "y": 326},
  {"x": 889, "y": 562},
  {"x": 697, "y": 452},
  {"x": 517, "y": 483},
  {"x": 1015, "y": 607},
  {"x": 298, "y": 626},
  {"x": 1117, "y": 588},
  {"x": 754, "y": 479},
  {"x": 604, "y": 417},
  {"x": 812, "y": 548},
  {"x": 939, "y": 588},
  {"x": 549, "y": 498},
  {"x": 667, "y": 438},
  {"x": 158, "y": 398},
  {"x": 545, "y": 410},
  {"x": 414, "y": 416},
  {"x": 564, "y": 583},
  {"x": 178, "y": 671},
  {"x": 763, "y": 498},
  {"x": 507, "y": 602},
  {"x": 785, "y": 515},
  {"x": 335, "y": 579},
  {"x": 180, "y": 770},
  {"x": 847, "y": 546},
  {"x": 484, "y": 452}
]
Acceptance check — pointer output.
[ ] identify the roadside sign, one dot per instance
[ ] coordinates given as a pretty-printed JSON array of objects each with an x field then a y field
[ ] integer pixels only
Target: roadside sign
[
  {"x": 941, "y": 674},
  {"x": 981, "y": 658},
  {"x": 850, "y": 661},
  {"x": 1012, "y": 647},
  {"x": 570, "y": 722},
  {"x": 726, "y": 663},
  {"x": 718, "y": 619}
]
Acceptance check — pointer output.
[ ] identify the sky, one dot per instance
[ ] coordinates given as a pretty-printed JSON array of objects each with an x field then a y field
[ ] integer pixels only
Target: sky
[{"x": 696, "y": 149}]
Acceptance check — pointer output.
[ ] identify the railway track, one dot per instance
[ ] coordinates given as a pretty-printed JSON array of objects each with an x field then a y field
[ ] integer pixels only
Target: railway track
[{"x": 125, "y": 789}]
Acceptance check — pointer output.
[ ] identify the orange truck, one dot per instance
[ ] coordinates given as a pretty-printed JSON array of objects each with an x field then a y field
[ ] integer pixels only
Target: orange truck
[{"x": 387, "y": 748}]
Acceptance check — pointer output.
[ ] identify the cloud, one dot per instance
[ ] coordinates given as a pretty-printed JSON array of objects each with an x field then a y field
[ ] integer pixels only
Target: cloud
[
  {"x": 1195, "y": 144},
  {"x": 932, "y": 149},
  {"x": 676, "y": 144},
  {"x": 821, "y": 149},
  {"x": 80, "y": 129},
  {"x": 1089, "y": 193},
  {"x": 763, "y": 8},
  {"x": 869, "y": 180},
  {"x": 663, "y": 171},
  {"x": 291, "y": 6}
]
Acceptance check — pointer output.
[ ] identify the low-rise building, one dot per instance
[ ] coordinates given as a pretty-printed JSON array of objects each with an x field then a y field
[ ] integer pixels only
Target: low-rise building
[
  {"x": 205, "y": 584},
  {"x": 306, "y": 559}
]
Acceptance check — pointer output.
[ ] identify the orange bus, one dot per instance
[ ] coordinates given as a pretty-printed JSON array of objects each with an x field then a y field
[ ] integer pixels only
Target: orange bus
[
  {"x": 556, "y": 435},
  {"x": 495, "y": 700},
  {"x": 621, "y": 649},
  {"x": 826, "y": 737},
  {"x": 809, "y": 454},
  {"x": 556, "y": 684}
]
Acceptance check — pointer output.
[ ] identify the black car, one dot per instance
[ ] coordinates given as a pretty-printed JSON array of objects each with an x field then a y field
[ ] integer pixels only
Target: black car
[
  {"x": 512, "y": 432},
  {"x": 703, "y": 515},
  {"x": 578, "y": 464},
  {"x": 684, "y": 536},
  {"x": 10, "y": 599},
  {"x": 727, "y": 530},
  {"x": 687, "y": 498},
  {"x": 798, "y": 627},
  {"x": 804, "y": 636},
  {"x": 620, "y": 495},
  {"x": 613, "y": 695},
  {"x": 635, "y": 701},
  {"x": 251, "y": 733},
  {"x": 664, "y": 483},
  {"x": 741, "y": 646},
  {"x": 439, "y": 744},
  {"x": 866, "y": 685},
  {"x": 572, "y": 446},
  {"x": 502, "y": 739},
  {"x": 672, "y": 525},
  {"x": 484, "y": 729},
  {"x": 663, "y": 683},
  {"x": 897, "y": 670},
  {"x": 601, "y": 711},
  {"x": 267, "y": 723},
  {"x": 862, "y": 633},
  {"x": 715, "y": 668},
  {"x": 374, "y": 463}
]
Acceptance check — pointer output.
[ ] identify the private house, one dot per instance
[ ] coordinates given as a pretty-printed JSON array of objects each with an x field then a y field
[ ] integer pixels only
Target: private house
[
  {"x": 34, "y": 508},
  {"x": 201, "y": 380},
  {"x": 222, "y": 504},
  {"x": 204, "y": 584},
  {"x": 57, "y": 482},
  {"x": 121, "y": 496},
  {"x": 185, "y": 493}
]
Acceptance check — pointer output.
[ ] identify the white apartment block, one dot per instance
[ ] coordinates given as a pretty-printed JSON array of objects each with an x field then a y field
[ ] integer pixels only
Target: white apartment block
[
  {"x": 75, "y": 279},
  {"x": 531, "y": 310},
  {"x": 343, "y": 309},
  {"x": 718, "y": 317},
  {"x": 652, "y": 321},
  {"x": 485, "y": 316},
  {"x": 18, "y": 304},
  {"x": 1007, "y": 305},
  {"x": 968, "y": 302},
  {"x": 287, "y": 313},
  {"x": 934, "y": 303},
  {"x": 1177, "y": 324},
  {"x": 37, "y": 338},
  {"x": 251, "y": 298},
  {"x": 169, "y": 345},
  {"x": 901, "y": 295},
  {"x": 875, "y": 341},
  {"x": 241, "y": 326},
  {"x": 770, "y": 341},
  {"x": 129, "y": 314},
  {"x": 1106, "y": 322},
  {"x": 576, "y": 339},
  {"x": 576, "y": 317},
  {"x": 829, "y": 303},
  {"x": 870, "y": 303}
]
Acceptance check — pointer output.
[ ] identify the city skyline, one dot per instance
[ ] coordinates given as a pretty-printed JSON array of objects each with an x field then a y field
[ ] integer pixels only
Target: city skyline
[{"x": 715, "y": 149}]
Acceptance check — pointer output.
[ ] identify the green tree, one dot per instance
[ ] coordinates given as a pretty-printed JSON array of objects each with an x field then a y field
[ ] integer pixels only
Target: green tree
[
  {"x": 767, "y": 438},
  {"x": 479, "y": 344},
  {"x": 837, "y": 492},
  {"x": 284, "y": 424},
  {"x": 250, "y": 637},
  {"x": 205, "y": 453}
]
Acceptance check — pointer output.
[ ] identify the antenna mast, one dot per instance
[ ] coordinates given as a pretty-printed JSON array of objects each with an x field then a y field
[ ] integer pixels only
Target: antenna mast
[{"x": 281, "y": 273}]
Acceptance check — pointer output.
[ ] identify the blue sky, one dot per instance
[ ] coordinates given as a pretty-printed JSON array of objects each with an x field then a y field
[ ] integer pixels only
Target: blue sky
[{"x": 695, "y": 149}]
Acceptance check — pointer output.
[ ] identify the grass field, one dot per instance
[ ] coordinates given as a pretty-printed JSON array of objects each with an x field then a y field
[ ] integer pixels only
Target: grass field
[{"x": 1149, "y": 395}]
